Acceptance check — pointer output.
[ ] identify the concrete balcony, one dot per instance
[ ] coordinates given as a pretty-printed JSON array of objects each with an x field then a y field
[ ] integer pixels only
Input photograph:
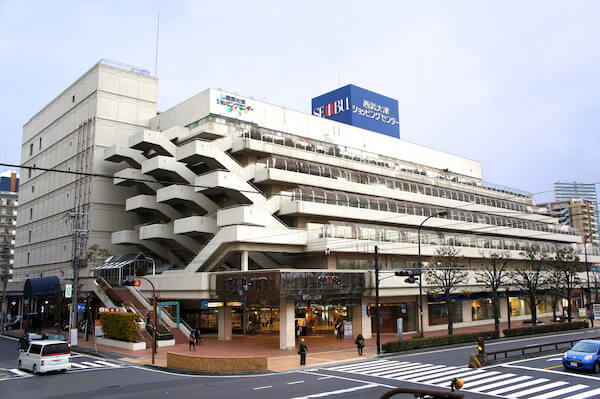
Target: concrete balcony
[
  {"x": 131, "y": 238},
  {"x": 152, "y": 143},
  {"x": 195, "y": 226},
  {"x": 121, "y": 153},
  {"x": 168, "y": 169},
  {"x": 124, "y": 237},
  {"x": 230, "y": 184},
  {"x": 133, "y": 177},
  {"x": 147, "y": 206},
  {"x": 209, "y": 153},
  {"x": 164, "y": 232},
  {"x": 184, "y": 197},
  {"x": 243, "y": 215}
]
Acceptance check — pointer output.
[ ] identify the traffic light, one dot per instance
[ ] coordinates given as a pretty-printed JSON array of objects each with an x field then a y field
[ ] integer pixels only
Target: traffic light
[
  {"x": 412, "y": 278},
  {"x": 481, "y": 346},
  {"x": 131, "y": 282}
]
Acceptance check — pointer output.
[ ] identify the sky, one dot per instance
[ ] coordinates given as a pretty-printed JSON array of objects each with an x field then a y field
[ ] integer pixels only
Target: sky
[{"x": 512, "y": 84}]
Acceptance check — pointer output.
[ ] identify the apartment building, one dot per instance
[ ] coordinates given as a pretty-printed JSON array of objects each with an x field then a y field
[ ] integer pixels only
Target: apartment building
[
  {"x": 579, "y": 213},
  {"x": 9, "y": 189},
  {"x": 586, "y": 216}
]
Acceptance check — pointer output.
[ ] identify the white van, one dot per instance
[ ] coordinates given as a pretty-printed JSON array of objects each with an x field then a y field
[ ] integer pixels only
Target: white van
[{"x": 45, "y": 355}]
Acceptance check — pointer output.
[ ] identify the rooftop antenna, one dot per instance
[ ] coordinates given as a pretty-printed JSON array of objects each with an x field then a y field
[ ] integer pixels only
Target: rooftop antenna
[{"x": 156, "y": 51}]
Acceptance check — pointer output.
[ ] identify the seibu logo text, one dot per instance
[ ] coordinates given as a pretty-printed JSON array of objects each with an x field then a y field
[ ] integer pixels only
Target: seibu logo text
[{"x": 336, "y": 107}]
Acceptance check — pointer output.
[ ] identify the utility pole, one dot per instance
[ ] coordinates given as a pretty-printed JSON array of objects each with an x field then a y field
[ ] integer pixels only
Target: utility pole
[
  {"x": 79, "y": 239},
  {"x": 377, "y": 330},
  {"x": 5, "y": 269}
]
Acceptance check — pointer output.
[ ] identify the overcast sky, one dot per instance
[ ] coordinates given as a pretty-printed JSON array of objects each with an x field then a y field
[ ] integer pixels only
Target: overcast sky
[{"x": 513, "y": 85}]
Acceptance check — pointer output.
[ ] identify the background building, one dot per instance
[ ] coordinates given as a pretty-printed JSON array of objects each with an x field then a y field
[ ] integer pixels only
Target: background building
[
  {"x": 9, "y": 188},
  {"x": 584, "y": 213}
]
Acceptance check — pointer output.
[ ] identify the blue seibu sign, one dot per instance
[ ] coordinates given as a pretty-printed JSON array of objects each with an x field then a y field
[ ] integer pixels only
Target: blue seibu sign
[{"x": 359, "y": 107}]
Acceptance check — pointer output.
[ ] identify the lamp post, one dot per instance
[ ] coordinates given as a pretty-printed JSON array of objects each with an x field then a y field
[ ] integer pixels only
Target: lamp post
[
  {"x": 154, "y": 325},
  {"x": 440, "y": 213},
  {"x": 587, "y": 269}
]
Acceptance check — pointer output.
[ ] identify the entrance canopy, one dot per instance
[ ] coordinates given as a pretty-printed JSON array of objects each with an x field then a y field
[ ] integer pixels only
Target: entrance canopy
[
  {"x": 116, "y": 268},
  {"x": 46, "y": 287},
  {"x": 268, "y": 288}
]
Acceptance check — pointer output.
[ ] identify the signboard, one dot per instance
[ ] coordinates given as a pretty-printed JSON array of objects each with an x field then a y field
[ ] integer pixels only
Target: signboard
[
  {"x": 81, "y": 308},
  {"x": 98, "y": 332},
  {"x": 68, "y": 290},
  {"x": 348, "y": 333},
  {"x": 108, "y": 310},
  {"x": 359, "y": 107},
  {"x": 399, "y": 328},
  {"x": 596, "y": 310}
]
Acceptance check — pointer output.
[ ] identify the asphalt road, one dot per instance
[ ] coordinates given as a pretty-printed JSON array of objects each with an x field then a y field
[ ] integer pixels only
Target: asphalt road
[{"x": 537, "y": 378}]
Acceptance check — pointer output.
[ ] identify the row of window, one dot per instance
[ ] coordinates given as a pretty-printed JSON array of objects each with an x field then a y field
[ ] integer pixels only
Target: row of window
[
  {"x": 333, "y": 172},
  {"x": 410, "y": 236},
  {"x": 31, "y": 147},
  {"x": 288, "y": 140},
  {"x": 408, "y": 208}
]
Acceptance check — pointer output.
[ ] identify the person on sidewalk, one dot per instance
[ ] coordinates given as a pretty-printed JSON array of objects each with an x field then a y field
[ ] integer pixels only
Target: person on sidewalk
[
  {"x": 360, "y": 344},
  {"x": 302, "y": 349},
  {"x": 192, "y": 341},
  {"x": 339, "y": 328},
  {"x": 197, "y": 336}
]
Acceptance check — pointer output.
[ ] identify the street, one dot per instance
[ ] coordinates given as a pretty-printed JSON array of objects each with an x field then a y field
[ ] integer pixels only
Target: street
[{"x": 541, "y": 377}]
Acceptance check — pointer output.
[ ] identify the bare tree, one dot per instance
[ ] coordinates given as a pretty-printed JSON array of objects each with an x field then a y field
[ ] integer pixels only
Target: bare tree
[
  {"x": 555, "y": 288},
  {"x": 494, "y": 275},
  {"x": 444, "y": 277},
  {"x": 532, "y": 278},
  {"x": 566, "y": 264}
]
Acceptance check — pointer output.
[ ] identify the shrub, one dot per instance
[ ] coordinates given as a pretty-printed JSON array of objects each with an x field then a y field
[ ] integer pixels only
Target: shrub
[
  {"x": 515, "y": 332},
  {"x": 420, "y": 343},
  {"x": 121, "y": 326}
]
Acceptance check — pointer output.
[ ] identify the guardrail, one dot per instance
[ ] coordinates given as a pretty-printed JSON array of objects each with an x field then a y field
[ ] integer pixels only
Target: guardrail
[{"x": 529, "y": 349}]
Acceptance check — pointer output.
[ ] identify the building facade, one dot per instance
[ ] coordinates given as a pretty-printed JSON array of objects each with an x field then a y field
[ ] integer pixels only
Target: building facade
[
  {"x": 587, "y": 217},
  {"x": 579, "y": 213},
  {"x": 255, "y": 218},
  {"x": 9, "y": 189},
  {"x": 101, "y": 109}
]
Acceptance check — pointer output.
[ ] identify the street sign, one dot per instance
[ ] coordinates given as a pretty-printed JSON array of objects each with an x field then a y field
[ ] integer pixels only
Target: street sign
[
  {"x": 68, "y": 290},
  {"x": 81, "y": 308}
]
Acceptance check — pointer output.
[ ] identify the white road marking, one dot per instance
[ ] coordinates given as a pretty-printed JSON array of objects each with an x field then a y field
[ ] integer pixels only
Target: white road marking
[
  {"x": 500, "y": 384},
  {"x": 530, "y": 391},
  {"x": 565, "y": 373},
  {"x": 518, "y": 386},
  {"x": 443, "y": 373},
  {"x": 585, "y": 395},
  {"x": 555, "y": 359},
  {"x": 325, "y": 378},
  {"x": 486, "y": 380},
  {"x": 91, "y": 364},
  {"x": 79, "y": 366},
  {"x": 295, "y": 382},
  {"x": 265, "y": 387},
  {"x": 19, "y": 372},
  {"x": 107, "y": 363},
  {"x": 436, "y": 381},
  {"x": 560, "y": 392},
  {"x": 338, "y": 392}
]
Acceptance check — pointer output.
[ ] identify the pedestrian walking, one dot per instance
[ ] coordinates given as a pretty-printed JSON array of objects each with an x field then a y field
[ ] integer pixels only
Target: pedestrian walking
[
  {"x": 302, "y": 349},
  {"x": 192, "y": 341},
  {"x": 360, "y": 344},
  {"x": 339, "y": 328},
  {"x": 197, "y": 336}
]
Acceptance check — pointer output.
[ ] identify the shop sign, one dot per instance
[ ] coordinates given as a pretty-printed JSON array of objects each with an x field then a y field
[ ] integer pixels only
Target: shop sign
[
  {"x": 403, "y": 308},
  {"x": 80, "y": 307},
  {"x": 234, "y": 105},
  {"x": 330, "y": 280},
  {"x": 109, "y": 310},
  {"x": 68, "y": 290},
  {"x": 596, "y": 310},
  {"x": 205, "y": 303}
]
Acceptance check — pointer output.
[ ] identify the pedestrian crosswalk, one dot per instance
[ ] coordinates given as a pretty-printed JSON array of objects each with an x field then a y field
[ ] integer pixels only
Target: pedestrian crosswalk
[
  {"x": 483, "y": 381},
  {"x": 97, "y": 364}
]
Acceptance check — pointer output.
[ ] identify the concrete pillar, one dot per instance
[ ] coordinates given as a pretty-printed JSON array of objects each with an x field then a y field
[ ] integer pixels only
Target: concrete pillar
[
  {"x": 287, "y": 315},
  {"x": 361, "y": 323},
  {"x": 425, "y": 314},
  {"x": 467, "y": 311},
  {"x": 244, "y": 262},
  {"x": 503, "y": 309},
  {"x": 224, "y": 323}
]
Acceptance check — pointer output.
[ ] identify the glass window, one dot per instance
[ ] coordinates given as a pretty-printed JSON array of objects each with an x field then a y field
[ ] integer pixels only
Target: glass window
[
  {"x": 482, "y": 309},
  {"x": 438, "y": 313}
]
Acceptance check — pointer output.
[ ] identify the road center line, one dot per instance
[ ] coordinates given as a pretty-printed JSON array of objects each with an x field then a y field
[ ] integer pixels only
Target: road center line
[
  {"x": 265, "y": 387},
  {"x": 295, "y": 382}
]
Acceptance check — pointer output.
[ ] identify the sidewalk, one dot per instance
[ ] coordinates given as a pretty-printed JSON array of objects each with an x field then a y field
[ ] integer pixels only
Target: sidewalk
[{"x": 323, "y": 349}]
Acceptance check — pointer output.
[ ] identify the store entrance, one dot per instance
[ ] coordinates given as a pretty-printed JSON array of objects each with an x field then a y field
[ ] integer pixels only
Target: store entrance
[
  {"x": 389, "y": 313},
  {"x": 320, "y": 320}
]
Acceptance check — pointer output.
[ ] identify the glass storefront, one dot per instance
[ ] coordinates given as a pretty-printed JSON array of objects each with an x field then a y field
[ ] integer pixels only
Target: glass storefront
[
  {"x": 519, "y": 306},
  {"x": 389, "y": 313},
  {"x": 261, "y": 319},
  {"x": 321, "y": 319},
  {"x": 482, "y": 309},
  {"x": 438, "y": 313}
]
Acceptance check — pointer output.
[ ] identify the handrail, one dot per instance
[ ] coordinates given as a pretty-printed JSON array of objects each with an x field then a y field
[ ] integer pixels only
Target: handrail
[
  {"x": 422, "y": 393},
  {"x": 523, "y": 349}
]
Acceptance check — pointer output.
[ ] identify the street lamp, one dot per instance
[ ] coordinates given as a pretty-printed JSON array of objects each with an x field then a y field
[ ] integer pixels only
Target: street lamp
[
  {"x": 587, "y": 269},
  {"x": 440, "y": 213}
]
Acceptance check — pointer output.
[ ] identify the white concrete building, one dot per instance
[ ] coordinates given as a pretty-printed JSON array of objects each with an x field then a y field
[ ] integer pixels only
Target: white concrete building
[
  {"x": 260, "y": 218},
  {"x": 101, "y": 109}
]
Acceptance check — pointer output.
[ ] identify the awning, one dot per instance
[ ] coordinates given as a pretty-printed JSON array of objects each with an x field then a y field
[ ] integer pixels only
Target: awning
[
  {"x": 47, "y": 287},
  {"x": 119, "y": 261}
]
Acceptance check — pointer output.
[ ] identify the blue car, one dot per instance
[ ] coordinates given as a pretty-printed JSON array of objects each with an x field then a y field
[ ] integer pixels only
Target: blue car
[{"x": 583, "y": 356}]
